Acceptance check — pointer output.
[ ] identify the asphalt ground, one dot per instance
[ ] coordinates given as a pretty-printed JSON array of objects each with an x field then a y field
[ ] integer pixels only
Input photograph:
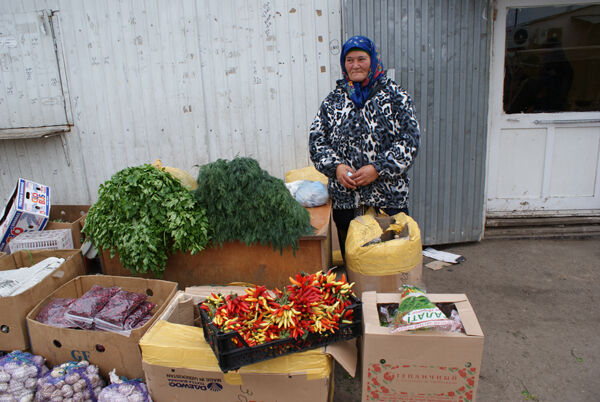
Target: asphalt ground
[{"x": 536, "y": 303}]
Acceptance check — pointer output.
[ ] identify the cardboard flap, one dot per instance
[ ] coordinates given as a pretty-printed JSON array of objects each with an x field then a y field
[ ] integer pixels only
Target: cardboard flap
[
  {"x": 370, "y": 315},
  {"x": 465, "y": 311},
  {"x": 345, "y": 353},
  {"x": 469, "y": 319},
  {"x": 181, "y": 311},
  {"x": 447, "y": 297},
  {"x": 205, "y": 291}
]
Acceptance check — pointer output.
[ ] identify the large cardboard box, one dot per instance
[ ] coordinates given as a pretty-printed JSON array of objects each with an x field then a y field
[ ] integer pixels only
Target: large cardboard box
[
  {"x": 180, "y": 366},
  {"x": 27, "y": 209},
  {"x": 107, "y": 350},
  {"x": 13, "y": 327},
  {"x": 424, "y": 365},
  {"x": 68, "y": 217}
]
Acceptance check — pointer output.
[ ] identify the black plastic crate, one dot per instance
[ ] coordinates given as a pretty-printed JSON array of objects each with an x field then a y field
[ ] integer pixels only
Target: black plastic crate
[{"x": 231, "y": 356}]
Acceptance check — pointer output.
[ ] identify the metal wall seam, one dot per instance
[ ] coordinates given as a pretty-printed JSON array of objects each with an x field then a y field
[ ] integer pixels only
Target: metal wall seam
[
  {"x": 440, "y": 53},
  {"x": 293, "y": 53}
]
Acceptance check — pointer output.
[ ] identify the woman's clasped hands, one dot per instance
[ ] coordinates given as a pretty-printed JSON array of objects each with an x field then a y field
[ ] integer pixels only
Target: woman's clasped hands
[{"x": 351, "y": 179}]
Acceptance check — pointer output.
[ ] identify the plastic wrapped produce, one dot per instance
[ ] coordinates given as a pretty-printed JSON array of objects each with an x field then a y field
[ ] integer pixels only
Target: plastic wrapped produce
[
  {"x": 82, "y": 311},
  {"x": 53, "y": 313},
  {"x": 124, "y": 390},
  {"x": 75, "y": 381},
  {"x": 416, "y": 311},
  {"x": 143, "y": 321},
  {"x": 139, "y": 313},
  {"x": 113, "y": 315},
  {"x": 19, "y": 372}
]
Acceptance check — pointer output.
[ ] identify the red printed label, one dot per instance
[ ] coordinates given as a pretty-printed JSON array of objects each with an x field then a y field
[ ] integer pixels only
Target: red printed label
[{"x": 387, "y": 382}]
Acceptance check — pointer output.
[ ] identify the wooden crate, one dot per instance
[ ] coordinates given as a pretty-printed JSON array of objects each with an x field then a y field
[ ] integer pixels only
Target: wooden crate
[{"x": 237, "y": 262}]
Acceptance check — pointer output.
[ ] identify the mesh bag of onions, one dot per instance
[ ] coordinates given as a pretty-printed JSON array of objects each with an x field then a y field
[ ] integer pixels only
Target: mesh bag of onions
[
  {"x": 72, "y": 381},
  {"x": 19, "y": 372}
]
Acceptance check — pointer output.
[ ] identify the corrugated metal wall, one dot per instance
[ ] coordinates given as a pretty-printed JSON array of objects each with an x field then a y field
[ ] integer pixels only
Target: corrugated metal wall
[
  {"x": 186, "y": 81},
  {"x": 440, "y": 53}
]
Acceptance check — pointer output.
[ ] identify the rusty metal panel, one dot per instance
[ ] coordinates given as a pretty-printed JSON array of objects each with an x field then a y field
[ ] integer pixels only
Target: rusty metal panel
[
  {"x": 439, "y": 51},
  {"x": 186, "y": 81}
]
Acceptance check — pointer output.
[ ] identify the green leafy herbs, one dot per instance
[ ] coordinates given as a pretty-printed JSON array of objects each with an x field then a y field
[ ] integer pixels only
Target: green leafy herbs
[
  {"x": 243, "y": 202},
  {"x": 145, "y": 214}
]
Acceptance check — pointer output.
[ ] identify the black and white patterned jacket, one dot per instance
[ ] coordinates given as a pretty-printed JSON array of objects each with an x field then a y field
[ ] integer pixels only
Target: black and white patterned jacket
[{"x": 384, "y": 133}]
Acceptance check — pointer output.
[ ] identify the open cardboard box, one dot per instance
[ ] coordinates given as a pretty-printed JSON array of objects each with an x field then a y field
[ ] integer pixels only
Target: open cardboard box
[
  {"x": 107, "y": 350},
  {"x": 68, "y": 217},
  {"x": 424, "y": 365},
  {"x": 180, "y": 365},
  {"x": 13, "y": 327}
]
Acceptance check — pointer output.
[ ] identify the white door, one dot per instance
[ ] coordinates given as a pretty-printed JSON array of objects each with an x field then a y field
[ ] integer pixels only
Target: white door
[{"x": 544, "y": 116}]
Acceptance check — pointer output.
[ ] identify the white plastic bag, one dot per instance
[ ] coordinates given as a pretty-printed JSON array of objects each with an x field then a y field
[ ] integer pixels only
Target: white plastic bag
[
  {"x": 311, "y": 193},
  {"x": 17, "y": 281}
]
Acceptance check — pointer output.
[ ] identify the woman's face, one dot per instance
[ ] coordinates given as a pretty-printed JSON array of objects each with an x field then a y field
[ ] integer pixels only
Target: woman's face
[{"x": 358, "y": 64}]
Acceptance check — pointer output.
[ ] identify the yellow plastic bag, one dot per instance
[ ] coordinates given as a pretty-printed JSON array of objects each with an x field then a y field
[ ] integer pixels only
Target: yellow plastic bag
[
  {"x": 374, "y": 252},
  {"x": 184, "y": 177},
  {"x": 307, "y": 173}
]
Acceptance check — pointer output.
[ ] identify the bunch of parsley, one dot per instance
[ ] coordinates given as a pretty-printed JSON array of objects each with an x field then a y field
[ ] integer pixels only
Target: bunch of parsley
[
  {"x": 243, "y": 202},
  {"x": 145, "y": 214}
]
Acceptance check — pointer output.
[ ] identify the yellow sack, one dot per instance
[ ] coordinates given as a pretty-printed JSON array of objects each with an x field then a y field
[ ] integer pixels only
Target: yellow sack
[
  {"x": 373, "y": 251},
  {"x": 307, "y": 173},
  {"x": 184, "y": 177}
]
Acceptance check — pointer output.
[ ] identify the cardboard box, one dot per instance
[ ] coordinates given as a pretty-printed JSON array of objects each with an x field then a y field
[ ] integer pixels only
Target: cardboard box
[
  {"x": 68, "y": 217},
  {"x": 13, "y": 327},
  {"x": 28, "y": 209},
  {"x": 107, "y": 350},
  {"x": 180, "y": 366},
  {"x": 423, "y": 365}
]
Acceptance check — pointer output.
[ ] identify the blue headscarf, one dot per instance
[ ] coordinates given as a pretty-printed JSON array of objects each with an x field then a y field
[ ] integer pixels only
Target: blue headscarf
[{"x": 357, "y": 91}]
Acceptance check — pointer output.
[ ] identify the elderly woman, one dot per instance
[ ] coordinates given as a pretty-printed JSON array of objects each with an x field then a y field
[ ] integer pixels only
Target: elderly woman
[{"x": 364, "y": 138}]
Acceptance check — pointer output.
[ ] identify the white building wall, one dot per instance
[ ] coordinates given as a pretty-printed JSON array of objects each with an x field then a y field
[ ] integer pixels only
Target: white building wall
[{"x": 185, "y": 81}]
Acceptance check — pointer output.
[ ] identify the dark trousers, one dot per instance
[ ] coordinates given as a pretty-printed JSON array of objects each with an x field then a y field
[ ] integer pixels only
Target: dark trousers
[{"x": 343, "y": 217}]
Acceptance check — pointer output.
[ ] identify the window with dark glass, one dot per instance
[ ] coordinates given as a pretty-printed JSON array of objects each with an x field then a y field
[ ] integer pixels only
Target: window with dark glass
[{"x": 552, "y": 61}]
